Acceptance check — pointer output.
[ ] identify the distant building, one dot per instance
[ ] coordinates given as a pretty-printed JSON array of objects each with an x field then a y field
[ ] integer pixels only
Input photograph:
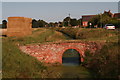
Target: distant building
[
  {"x": 117, "y": 15},
  {"x": 86, "y": 19},
  {"x": 108, "y": 13}
]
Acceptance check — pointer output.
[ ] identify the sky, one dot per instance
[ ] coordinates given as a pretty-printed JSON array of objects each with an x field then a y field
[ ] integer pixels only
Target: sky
[
  {"x": 55, "y": 11},
  {"x": 60, "y": 0},
  {"x": 0, "y": 12}
]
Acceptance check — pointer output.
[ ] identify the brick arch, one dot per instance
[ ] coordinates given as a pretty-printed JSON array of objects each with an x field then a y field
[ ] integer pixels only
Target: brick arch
[
  {"x": 52, "y": 53},
  {"x": 81, "y": 52}
]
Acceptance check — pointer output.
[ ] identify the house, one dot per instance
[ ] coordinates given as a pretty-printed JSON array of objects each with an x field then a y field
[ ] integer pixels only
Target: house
[
  {"x": 117, "y": 15},
  {"x": 108, "y": 13},
  {"x": 86, "y": 19}
]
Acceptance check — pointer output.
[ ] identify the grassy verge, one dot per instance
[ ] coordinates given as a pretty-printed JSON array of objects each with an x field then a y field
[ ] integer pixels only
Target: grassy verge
[
  {"x": 39, "y": 36},
  {"x": 91, "y": 34},
  {"x": 17, "y": 64}
]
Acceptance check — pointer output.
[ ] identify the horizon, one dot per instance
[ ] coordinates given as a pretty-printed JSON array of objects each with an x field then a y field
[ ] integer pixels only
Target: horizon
[{"x": 55, "y": 11}]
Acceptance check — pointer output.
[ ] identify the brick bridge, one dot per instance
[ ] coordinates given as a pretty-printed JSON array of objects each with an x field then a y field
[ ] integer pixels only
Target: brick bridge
[{"x": 52, "y": 52}]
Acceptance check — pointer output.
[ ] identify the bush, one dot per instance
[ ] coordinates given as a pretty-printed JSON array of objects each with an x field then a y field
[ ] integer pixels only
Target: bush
[
  {"x": 104, "y": 63},
  {"x": 115, "y": 22}
]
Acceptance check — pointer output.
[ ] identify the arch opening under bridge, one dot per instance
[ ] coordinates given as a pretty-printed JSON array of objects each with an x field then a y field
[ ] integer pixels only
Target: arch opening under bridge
[{"x": 71, "y": 57}]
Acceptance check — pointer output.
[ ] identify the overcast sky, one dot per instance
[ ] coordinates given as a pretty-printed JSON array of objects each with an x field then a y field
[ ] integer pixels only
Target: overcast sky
[{"x": 56, "y": 11}]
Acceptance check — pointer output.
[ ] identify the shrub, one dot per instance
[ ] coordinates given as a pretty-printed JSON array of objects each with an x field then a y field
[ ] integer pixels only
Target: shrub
[{"x": 104, "y": 63}]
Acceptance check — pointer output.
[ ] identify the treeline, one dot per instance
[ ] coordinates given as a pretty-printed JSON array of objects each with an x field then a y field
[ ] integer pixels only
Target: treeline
[
  {"x": 38, "y": 23},
  {"x": 67, "y": 22},
  {"x": 99, "y": 20}
]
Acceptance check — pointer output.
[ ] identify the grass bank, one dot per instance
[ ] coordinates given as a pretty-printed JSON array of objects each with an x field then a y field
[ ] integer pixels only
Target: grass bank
[
  {"x": 94, "y": 34},
  {"x": 16, "y": 64},
  {"x": 40, "y": 35},
  {"x": 105, "y": 62}
]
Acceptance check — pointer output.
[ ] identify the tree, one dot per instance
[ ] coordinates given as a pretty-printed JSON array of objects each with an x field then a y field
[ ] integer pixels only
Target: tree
[
  {"x": 73, "y": 22},
  {"x": 66, "y": 21},
  {"x": 41, "y": 23},
  {"x": 56, "y": 24},
  {"x": 4, "y": 24},
  {"x": 100, "y": 20},
  {"x": 80, "y": 22},
  {"x": 51, "y": 24},
  {"x": 34, "y": 24},
  {"x": 105, "y": 19},
  {"x": 96, "y": 20},
  {"x": 60, "y": 24}
]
